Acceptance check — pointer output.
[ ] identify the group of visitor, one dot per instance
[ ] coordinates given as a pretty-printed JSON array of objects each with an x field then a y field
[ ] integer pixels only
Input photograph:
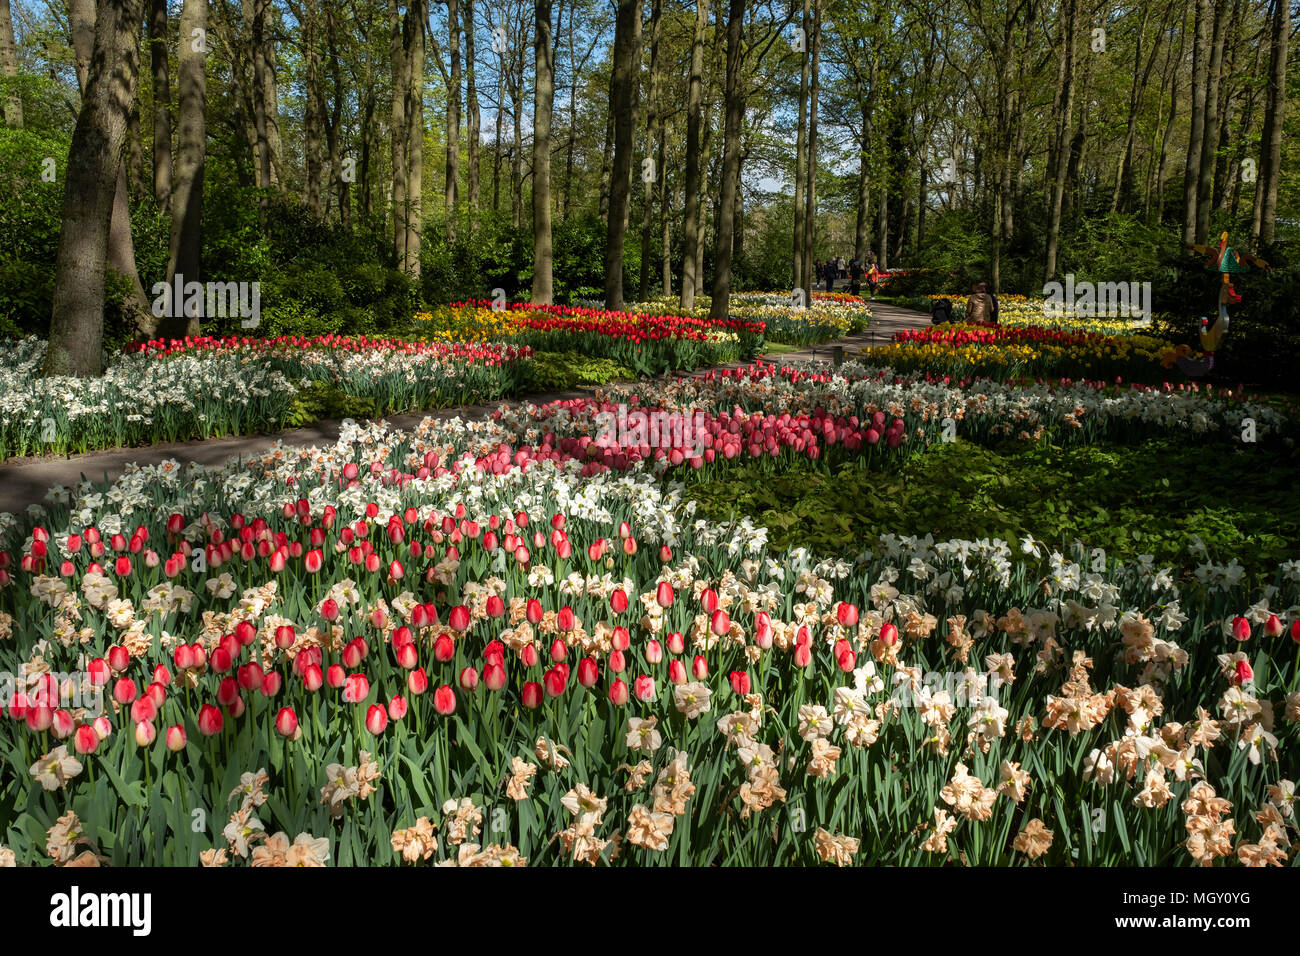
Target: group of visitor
[{"x": 830, "y": 271}]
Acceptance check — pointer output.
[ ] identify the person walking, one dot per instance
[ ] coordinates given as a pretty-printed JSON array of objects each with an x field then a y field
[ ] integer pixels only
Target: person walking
[
  {"x": 855, "y": 275},
  {"x": 830, "y": 275}
]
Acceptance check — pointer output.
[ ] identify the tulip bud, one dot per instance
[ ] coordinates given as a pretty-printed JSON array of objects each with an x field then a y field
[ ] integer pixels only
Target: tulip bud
[
  {"x": 588, "y": 672},
  {"x": 458, "y": 618},
  {"x": 620, "y": 639},
  {"x": 528, "y": 654},
  {"x": 124, "y": 690},
  {"x": 175, "y": 738},
  {"x": 643, "y": 688},
  {"x": 444, "y": 648},
  {"x": 494, "y": 676},
  {"x": 1241, "y": 629},
  {"x": 444, "y": 700},
  {"x": 312, "y": 679},
  {"x": 210, "y": 720},
  {"x": 417, "y": 681},
  {"x": 654, "y": 652},
  {"x": 286, "y": 722},
  {"x": 85, "y": 740},
  {"x": 700, "y": 667},
  {"x": 145, "y": 733},
  {"x": 1295, "y": 630},
  {"x": 356, "y": 688},
  {"x": 554, "y": 681},
  {"x": 740, "y": 683},
  {"x": 720, "y": 623},
  {"x": 664, "y": 595},
  {"x": 532, "y": 695},
  {"x": 397, "y": 707},
  {"x": 1243, "y": 673},
  {"x": 802, "y": 655},
  {"x": 1273, "y": 627},
  {"x": 376, "y": 719},
  {"x": 618, "y": 693},
  {"x": 558, "y": 650},
  {"x": 271, "y": 684},
  {"x": 62, "y": 724},
  {"x": 143, "y": 710},
  {"x": 468, "y": 678},
  {"x": 565, "y": 620},
  {"x": 846, "y": 614},
  {"x": 888, "y": 634},
  {"x": 618, "y": 601},
  {"x": 533, "y": 611}
]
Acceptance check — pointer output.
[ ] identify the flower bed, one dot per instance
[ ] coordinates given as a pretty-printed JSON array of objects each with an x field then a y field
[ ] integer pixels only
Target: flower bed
[
  {"x": 205, "y": 387},
  {"x": 1019, "y": 311},
  {"x": 1006, "y": 351},
  {"x": 650, "y": 344},
  {"x": 447, "y": 645},
  {"x": 826, "y": 317}
]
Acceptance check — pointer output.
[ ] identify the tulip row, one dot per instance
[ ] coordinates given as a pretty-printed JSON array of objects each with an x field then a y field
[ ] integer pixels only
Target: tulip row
[
  {"x": 389, "y": 643},
  {"x": 973, "y": 350},
  {"x": 822, "y": 319},
  {"x": 647, "y": 343}
]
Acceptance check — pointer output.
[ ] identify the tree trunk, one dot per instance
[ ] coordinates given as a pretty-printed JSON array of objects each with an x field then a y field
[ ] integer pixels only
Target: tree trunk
[
  {"x": 654, "y": 130},
  {"x": 1263, "y": 222},
  {"x": 162, "y": 104},
  {"x": 397, "y": 123},
  {"x": 801, "y": 149},
  {"x": 13, "y": 105},
  {"x": 91, "y": 178},
  {"x": 473, "y": 119},
  {"x": 496, "y": 144},
  {"x": 417, "y": 15},
  {"x": 1196, "y": 138},
  {"x": 313, "y": 114},
  {"x": 810, "y": 190},
  {"x": 451, "y": 198},
  {"x": 543, "y": 95},
  {"x": 691, "y": 279},
  {"x": 720, "y": 304},
  {"x": 82, "y": 17},
  {"x": 191, "y": 152},
  {"x": 605, "y": 165},
  {"x": 622, "y": 85},
  {"x": 1167, "y": 136},
  {"x": 1210, "y": 135},
  {"x": 1061, "y": 152}
]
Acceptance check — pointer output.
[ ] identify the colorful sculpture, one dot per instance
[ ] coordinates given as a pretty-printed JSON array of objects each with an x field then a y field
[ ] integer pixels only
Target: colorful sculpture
[{"x": 1225, "y": 260}]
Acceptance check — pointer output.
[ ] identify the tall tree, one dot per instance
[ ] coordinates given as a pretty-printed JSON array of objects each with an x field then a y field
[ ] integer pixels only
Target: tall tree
[
  {"x": 1210, "y": 117},
  {"x": 417, "y": 18},
  {"x": 162, "y": 104},
  {"x": 654, "y": 132},
  {"x": 622, "y": 92},
  {"x": 401, "y": 78},
  {"x": 810, "y": 189},
  {"x": 473, "y": 120},
  {"x": 801, "y": 146},
  {"x": 1196, "y": 135},
  {"x": 1263, "y": 221},
  {"x": 451, "y": 197},
  {"x": 90, "y": 182},
  {"x": 734, "y": 99},
  {"x": 543, "y": 94},
  {"x": 191, "y": 154},
  {"x": 13, "y": 105},
  {"x": 691, "y": 279},
  {"x": 1061, "y": 152}
]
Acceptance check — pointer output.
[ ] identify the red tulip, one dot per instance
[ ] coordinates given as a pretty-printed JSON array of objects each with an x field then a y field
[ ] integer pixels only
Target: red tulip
[
  {"x": 554, "y": 681},
  {"x": 528, "y": 654},
  {"x": 618, "y": 693},
  {"x": 588, "y": 672},
  {"x": 740, "y": 682},
  {"x": 397, "y": 707},
  {"x": 145, "y": 733},
  {"x": 444, "y": 700},
  {"x": 62, "y": 724},
  {"x": 700, "y": 667},
  {"x": 417, "y": 681},
  {"x": 654, "y": 652},
  {"x": 376, "y": 719},
  {"x": 888, "y": 634},
  {"x": 1273, "y": 626},
  {"x": 1295, "y": 630},
  {"x": 763, "y": 630},
  {"x": 846, "y": 614},
  {"x": 1241, "y": 629},
  {"x": 643, "y": 688},
  {"x": 85, "y": 740},
  {"x": 620, "y": 640},
  {"x": 210, "y": 720},
  {"x": 559, "y": 651},
  {"x": 533, "y": 611},
  {"x": 494, "y": 676},
  {"x": 676, "y": 643},
  {"x": 286, "y": 722},
  {"x": 118, "y": 658},
  {"x": 458, "y": 618},
  {"x": 532, "y": 695},
  {"x": 618, "y": 601},
  {"x": 124, "y": 690},
  {"x": 356, "y": 688},
  {"x": 565, "y": 620},
  {"x": 468, "y": 678},
  {"x": 444, "y": 648},
  {"x": 664, "y": 595},
  {"x": 802, "y": 655},
  {"x": 312, "y": 679},
  {"x": 271, "y": 684},
  {"x": 495, "y": 606},
  {"x": 1243, "y": 672},
  {"x": 720, "y": 623},
  {"x": 143, "y": 709}
]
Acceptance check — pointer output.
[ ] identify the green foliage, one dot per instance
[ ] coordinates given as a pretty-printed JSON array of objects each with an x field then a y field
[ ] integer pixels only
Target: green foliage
[
  {"x": 561, "y": 371},
  {"x": 1150, "y": 498}
]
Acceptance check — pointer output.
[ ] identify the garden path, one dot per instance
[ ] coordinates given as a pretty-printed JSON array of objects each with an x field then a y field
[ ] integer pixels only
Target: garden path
[{"x": 25, "y": 481}]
